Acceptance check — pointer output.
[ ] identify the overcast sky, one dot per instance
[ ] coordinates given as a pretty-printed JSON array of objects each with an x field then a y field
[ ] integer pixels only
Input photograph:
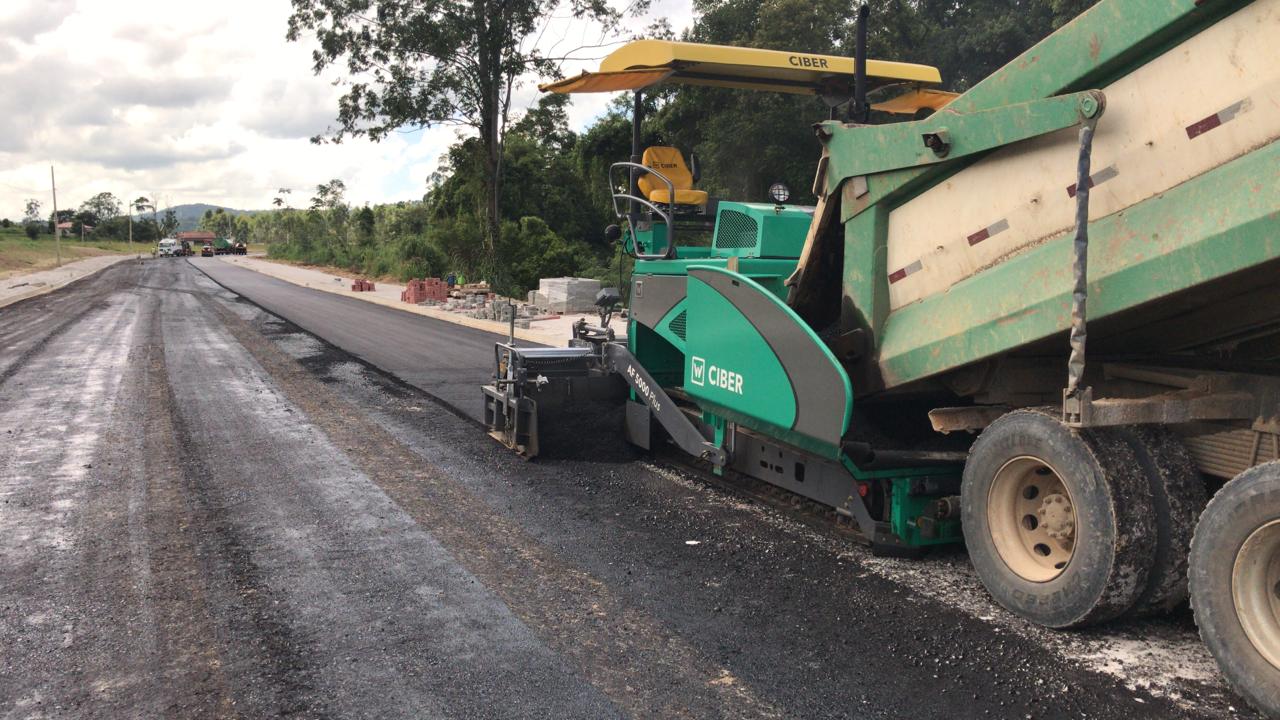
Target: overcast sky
[{"x": 201, "y": 102}]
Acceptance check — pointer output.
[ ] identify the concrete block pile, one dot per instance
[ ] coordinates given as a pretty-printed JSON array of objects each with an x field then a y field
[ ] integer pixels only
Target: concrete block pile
[
  {"x": 425, "y": 291},
  {"x": 566, "y": 295},
  {"x": 553, "y": 298},
  {"x": 500, "y": 310},
  {"x": 361, "y": 286}
]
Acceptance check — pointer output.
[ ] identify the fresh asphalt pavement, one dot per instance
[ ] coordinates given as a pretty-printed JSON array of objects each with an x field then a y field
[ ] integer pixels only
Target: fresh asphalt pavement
[
  {"x": 446, "y": 360},
  {"x": 254, "y": 504}
]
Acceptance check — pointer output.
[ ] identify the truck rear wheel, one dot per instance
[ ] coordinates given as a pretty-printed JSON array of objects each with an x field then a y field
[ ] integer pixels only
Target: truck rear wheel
[
  {"x": 1177, "y": 497},
  {"x": 1058, "y": 524},
  {"x": 1235, "y": 583}
]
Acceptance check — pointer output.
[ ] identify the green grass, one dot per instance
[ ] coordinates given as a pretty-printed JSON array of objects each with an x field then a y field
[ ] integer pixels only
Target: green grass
[{"x": 20, "y": 255}]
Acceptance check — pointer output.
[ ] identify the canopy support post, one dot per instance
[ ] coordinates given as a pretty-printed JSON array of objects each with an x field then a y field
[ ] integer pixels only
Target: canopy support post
[
  {"x": 861, "y": 111},
  {"x": 637, "y": 120}
]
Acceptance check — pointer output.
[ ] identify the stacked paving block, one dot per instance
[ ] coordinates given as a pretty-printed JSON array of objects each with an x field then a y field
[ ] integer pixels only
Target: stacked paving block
[
  {"x": 425, "y": 291},
  {"x": 361, "y": 286}
]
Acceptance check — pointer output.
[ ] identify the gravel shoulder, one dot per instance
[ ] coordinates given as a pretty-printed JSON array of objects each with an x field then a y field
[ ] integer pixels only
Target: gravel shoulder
[{"x": 20, "y": 286}]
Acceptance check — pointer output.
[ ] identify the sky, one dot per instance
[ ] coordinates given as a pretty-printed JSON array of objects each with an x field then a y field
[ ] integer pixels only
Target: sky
[{"x": 186, "y": 101}]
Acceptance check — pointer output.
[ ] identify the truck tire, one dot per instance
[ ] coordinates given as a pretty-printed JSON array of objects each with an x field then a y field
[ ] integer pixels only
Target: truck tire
[
  {"x": 1058, "y": 523},
  {"x": 1235, "y": 571},
  {"x": 1177, "y": 498}
]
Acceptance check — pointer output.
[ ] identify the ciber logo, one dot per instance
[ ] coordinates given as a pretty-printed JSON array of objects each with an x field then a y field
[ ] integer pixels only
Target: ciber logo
[
  {"x": 802, "y": 61},
  {"x": 717, "y": 376}
]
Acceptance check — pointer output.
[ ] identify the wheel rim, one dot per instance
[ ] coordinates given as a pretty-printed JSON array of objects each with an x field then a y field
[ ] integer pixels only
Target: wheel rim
[
  {"x": 1255, "y": 587},
  {"x": 1032, "y": 520}
]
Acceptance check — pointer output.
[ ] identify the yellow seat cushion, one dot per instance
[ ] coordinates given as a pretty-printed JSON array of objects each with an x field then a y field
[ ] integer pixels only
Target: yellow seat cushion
[
  {"x": 670, "y": 162},
  {"x": 683, "y": 197}
]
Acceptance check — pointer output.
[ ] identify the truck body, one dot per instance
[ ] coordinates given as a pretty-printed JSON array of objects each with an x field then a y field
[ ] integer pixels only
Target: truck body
[{"x": 1184, "y": 195}]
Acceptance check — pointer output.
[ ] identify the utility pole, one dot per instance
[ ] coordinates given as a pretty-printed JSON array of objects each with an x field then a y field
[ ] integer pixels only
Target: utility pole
[
  {"x": 130, "y": 214},
  {"x": 57, "y": 232}
]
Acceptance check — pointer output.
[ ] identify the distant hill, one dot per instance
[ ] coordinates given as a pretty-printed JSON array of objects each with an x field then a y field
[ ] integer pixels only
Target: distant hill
[{"x": 189, "y": 215}]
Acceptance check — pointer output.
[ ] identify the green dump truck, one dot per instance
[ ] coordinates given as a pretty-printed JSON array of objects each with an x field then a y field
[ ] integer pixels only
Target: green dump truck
[{"x": 1041, "y": 317}]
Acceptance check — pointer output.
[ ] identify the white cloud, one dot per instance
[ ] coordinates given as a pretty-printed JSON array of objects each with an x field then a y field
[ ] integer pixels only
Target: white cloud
[
  {"x": 27, "y": 21},
  {"x": 207, "y": 102}
]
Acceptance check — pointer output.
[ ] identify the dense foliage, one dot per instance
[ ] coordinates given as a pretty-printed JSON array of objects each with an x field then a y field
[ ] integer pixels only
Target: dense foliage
[
  {"x": 554, "y": 202},
  {"x": 102, "y": 217}
]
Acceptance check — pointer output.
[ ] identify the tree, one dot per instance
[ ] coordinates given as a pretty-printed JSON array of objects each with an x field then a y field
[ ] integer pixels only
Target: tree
[
  {"x": 31, "y": 212},
  {"x": 170, "y": 222},
  {"x": 141, "y": 204},
  {"x": 100, "y": 208},
  {"x": 6, "y": 223},
  {"x": 32, "y": 230},
  {"x": 329, "y": 195},
  {"x": 219, "y": 222},
  {"x": 417, "y": 64}
]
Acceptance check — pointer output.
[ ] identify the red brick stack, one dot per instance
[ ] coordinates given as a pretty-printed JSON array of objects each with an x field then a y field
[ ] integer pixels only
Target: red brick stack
[
  {"x": 361, "y": 286},
  {"x": 425, "y": 289}
]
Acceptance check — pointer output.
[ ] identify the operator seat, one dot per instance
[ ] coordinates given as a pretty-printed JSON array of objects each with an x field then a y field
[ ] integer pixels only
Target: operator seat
[{"x": 670, "y": 162}]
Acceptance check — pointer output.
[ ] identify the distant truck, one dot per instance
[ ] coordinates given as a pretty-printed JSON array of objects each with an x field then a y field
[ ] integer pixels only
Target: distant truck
[{"x": 168, "y": 247}]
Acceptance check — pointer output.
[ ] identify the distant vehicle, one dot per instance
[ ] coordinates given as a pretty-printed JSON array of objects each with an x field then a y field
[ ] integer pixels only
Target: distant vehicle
[
  {"x": 168, "y": 247},
  {"x": 240, "y": 249},
  {"x": 206, "y": 251},
  {"x": 185, "y": 250}
]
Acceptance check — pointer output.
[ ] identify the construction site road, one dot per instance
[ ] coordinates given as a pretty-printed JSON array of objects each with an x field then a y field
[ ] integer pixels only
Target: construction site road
[
  {"x": 208, "y": 511},
  {"x": 449, "y": 361}
]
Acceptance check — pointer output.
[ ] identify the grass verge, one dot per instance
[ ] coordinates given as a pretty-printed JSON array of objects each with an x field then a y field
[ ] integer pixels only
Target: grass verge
[{"x": 20, "y": 255}]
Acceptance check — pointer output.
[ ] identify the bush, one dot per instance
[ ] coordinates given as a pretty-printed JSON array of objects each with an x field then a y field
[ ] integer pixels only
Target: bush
[
  {"x": 530, "y": 250},
  {"x": 33, "y": 230}
]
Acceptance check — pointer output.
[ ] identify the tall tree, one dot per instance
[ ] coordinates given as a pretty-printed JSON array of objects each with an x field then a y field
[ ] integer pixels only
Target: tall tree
[
  {"x": 415, "y": 64},
  {"x": 31, "y": 211},
  {"x": 100, "y": 208},
  {"x": 329, "y": 195},
  {"x": 170, "y": 222},
  {"x": 142, "y": 203}
]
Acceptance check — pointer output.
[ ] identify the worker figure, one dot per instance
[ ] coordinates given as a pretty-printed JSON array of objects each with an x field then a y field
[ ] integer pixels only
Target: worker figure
[{"x": 451, "y": 280}]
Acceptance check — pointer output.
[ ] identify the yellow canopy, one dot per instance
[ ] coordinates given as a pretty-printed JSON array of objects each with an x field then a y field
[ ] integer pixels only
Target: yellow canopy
[{"x": 644, "y": 63}]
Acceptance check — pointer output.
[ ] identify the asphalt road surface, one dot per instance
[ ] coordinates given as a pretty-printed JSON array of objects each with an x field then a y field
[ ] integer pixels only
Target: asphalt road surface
[{"x": 208, "y": 511}]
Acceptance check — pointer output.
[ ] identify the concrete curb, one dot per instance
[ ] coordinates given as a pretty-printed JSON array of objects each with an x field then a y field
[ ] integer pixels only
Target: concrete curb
[
  {"x": 498, "y": 328},
  {"x": 38, "y": 290}
]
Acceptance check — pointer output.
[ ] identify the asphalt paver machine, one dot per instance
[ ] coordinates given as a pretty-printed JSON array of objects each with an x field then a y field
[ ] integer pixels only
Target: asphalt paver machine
[
  {"x": 761, "y": 244},
  {"x": 1042, "y": 316}
]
